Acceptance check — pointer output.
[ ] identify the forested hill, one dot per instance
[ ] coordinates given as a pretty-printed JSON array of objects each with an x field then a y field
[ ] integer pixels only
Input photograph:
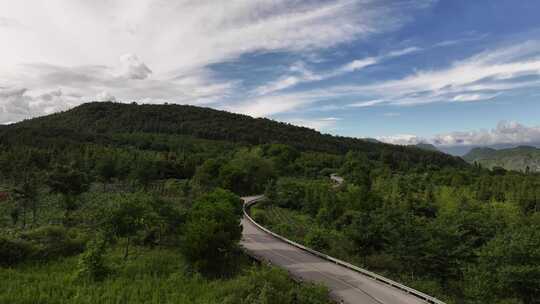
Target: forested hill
[
  {"x": 523, "y": 158},
  {"x": 96, "y": 120}
]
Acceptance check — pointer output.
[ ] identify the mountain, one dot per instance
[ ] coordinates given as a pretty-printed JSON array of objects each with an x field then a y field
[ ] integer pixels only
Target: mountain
[
  {"x": 97, "y": 121},
  {"x": 519, "y": 158},
  {"x": 373, "y": 140},
  {"x": 428, "y": 147},
  {"x": 456, "y": 150},
  {"x": 463, "y": 150}
]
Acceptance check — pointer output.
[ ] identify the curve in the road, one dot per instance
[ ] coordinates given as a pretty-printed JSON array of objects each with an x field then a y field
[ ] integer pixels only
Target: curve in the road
[{"x": 345, "y": 283}]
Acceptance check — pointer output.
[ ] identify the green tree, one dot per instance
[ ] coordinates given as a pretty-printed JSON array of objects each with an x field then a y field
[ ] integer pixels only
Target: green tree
[
  {"x": 127, "y": 216},
  {"x": 508, "y": 266},
  {"x": 211, "y": 234},
  {"x": 91, "y": 264},
  {"x": 106, "y": 170},
  {"x": 68, "y": 181},
  {"x": 25, "y": 196}
]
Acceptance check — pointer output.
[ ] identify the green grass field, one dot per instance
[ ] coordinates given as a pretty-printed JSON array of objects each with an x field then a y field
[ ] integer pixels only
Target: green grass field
[{"x": 149, "y": 276}]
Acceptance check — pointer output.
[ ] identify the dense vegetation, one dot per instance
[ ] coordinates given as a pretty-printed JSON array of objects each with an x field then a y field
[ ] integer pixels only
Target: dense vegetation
[
  {"x": 464, "y": 235},
  {"x": 100, "y": 195},
  {"x": 523, "y": 158}
]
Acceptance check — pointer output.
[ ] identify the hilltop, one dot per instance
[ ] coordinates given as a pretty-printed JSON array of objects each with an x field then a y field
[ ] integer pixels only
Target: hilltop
[
  {"x": 428, "y": 147},
  {"x": 97, "y": 121}
]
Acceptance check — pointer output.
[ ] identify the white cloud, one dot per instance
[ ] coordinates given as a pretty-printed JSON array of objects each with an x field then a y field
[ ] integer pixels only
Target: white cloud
[
  {"x": 368, "y": 103},
  {"x": 401, "y": 139},
  {"x": 319, "y": 124},
  {"x": 472, "y": 79},
  {"x": 303, "y": 75},
  {"x": 504, "y": 133},
  {"x": 482, "y": 77},
  {"x": 17, "y": 104},
  {"x": 272, "y": 104},
  {"x": 105, "y": 96},
  {"x": 133, "y": 68},
  {"x": 178, "y": 40},
  {"x": 10, "y": 23},
  {"x": 403, "y": 52},
  {"x": 474, "y": 97},
  {"x": 356, "y": 65}
]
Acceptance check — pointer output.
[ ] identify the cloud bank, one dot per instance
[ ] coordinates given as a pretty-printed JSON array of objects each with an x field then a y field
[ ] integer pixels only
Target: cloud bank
[{"x": 506, "y": 132}]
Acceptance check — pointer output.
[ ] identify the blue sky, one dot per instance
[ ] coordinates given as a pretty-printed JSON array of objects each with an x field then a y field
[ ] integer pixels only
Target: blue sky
[{"x": 446, "y": 72}]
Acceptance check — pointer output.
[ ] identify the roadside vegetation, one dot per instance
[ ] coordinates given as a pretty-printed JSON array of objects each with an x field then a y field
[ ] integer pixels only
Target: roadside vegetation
[{"x": 465, "y": 236}]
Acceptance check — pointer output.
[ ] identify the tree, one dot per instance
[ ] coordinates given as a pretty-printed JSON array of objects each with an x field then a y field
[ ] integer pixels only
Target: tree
[
  {"x": 106, "y": 170},
  {"x": 318, "y": 239},
  {"x": 224, "y": 196},
  {"x": 126, "y": 217},
  {"x": 365, "y": 232},
  {"x": 25, "y": 196},
  {"x": 91, "y": 264},
  {"x": 246, "y": 173},
  {"x": 144, "y": 172},
  {"x": 508, "y": 266},
  {"x": 68, "y": 181},
  {"x": 206, "y": 175},
  {"x": 211, "y": 234}
]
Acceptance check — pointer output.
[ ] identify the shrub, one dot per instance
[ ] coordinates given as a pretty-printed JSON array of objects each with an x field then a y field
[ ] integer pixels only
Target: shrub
[
  {"x": 15, "y": 251},
  {"x": 318, "y": 239},
  {"x": 91, "y": 264},
  {"x": 212, "y": 233},
  {"x": 272, "y": 285},
  {"x": 259, "y": 216},
  {"x": 54, "y": 241}
]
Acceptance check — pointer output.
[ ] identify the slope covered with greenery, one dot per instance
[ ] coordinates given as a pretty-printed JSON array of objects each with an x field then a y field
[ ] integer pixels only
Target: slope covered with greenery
[
  {"x": 465, "y": 236},
  {"x": 96, "y": 121},
  {"x": 97, "y": 191},
  {"x": 523, "y": 158}
]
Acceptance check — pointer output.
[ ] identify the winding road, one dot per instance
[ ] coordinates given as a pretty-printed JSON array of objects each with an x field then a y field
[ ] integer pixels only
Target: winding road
[{"x": 345, "y": 284}]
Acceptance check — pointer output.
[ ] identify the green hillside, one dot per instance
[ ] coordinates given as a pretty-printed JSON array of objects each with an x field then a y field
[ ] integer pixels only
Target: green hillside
[
  {"x": 427, "y": 147},
  {"x": 97, "y": 121},
  {"x": 107, "y": 192},
  {"x": 523, "y": 158}
]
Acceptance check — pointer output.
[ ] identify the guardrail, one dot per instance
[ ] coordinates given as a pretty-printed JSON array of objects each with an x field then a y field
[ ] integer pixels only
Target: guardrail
[{"x": 414, "y": 292}]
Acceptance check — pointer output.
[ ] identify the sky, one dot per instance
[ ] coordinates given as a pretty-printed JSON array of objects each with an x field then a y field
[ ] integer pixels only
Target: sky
[{"x": 449, "y": 73}]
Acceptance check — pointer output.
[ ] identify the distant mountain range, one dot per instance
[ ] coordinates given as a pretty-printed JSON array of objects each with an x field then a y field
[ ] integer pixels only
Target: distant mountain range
[
  {"x": 518, "y": 158},
  {"x": 463, "y": 150},
  {"x": 428, "y": 147}
]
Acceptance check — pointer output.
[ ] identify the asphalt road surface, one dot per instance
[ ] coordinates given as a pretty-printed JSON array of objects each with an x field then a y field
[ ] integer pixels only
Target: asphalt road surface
[{"x": 345, "y": 284}]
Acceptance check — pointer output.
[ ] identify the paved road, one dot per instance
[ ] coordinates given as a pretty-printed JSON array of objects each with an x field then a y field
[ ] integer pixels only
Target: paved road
[{"x": 350, "y": 286}]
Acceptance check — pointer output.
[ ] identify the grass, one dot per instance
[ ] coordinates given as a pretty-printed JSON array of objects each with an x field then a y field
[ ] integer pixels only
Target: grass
[
  {"x": 155, "y": 276},
  {"x": 149, "y": 276}
]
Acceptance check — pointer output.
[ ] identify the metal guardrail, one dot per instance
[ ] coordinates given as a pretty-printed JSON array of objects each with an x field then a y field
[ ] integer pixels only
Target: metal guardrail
[{"x": 414, "y": 292}]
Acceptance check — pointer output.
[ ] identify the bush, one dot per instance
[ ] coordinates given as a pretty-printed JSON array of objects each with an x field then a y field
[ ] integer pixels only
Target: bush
[
  {"x": 272, "y": 285},
  {"x": 54, "y": 241},
  {"x": 259, "y": 216},
  {"x": 91, "y": 264},
  {"x": 15, "y": 251},
  {"x": 212, "y": 233},
  {"x": 318, "y": 239}
]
